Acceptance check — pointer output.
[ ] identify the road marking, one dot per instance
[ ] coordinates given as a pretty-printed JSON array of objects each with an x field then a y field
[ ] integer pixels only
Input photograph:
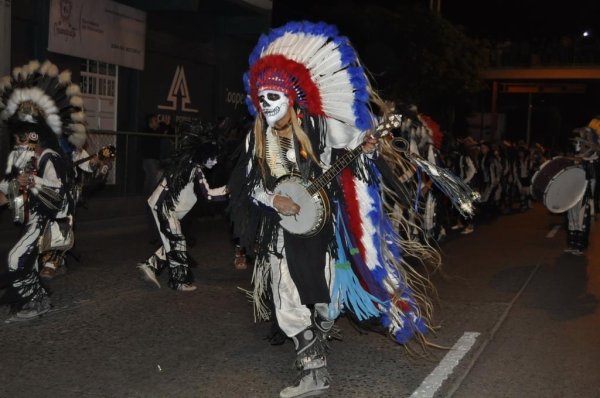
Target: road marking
[
  {"x": 553, "y": 231},
  {"x": 456, "y": 384},
  {"x": 434, "y": 381}
]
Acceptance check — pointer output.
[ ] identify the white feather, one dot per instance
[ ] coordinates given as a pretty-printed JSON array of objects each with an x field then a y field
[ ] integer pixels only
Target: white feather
[
  {"x": 76, "y": 101},
  {"x": 13, "y": 104},
  {"x": 73, "y": 89},
  {"x": 26, "y": 117},
  {"x": 33, "y": 66},
  {"x": 45, "y": 67},
  {"x": 16, "y": 72},
  {"x": 327, "y": 60},
  {"x": 5, "y": 82},
  {"x": 77, "y": 128},
  {"x": 65, "y": 77},
  {"x": 52, "y": 70},
  {"x": 77, "y": 139},
  {"x": 36, "y": 95},
  {"x": 298, "y": 47},
  {"x": 54, "y": 123},
  {"x": 368, "y": 229},
  {"x": 78, "y": 116}
]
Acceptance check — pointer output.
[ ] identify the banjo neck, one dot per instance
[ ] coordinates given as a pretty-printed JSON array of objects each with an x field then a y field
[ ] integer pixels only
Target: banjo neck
[
  {"x": 340, "y": 164},
  {"x": 390, "y": 122}
]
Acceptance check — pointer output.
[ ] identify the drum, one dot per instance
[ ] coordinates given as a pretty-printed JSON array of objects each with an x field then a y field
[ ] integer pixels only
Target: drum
[{"x": 559, "y": 183}]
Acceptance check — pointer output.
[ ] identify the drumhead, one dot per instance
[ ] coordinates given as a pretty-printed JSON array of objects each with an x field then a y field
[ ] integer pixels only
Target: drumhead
[
  {"x": 565, "y": 189},
  {"x": 546, "y": 175}
]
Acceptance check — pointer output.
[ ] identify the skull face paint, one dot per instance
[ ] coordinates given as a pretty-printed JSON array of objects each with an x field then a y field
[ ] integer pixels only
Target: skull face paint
[
  {"x": 210, "y": 163},
  {"x": 274, "y": 105}
]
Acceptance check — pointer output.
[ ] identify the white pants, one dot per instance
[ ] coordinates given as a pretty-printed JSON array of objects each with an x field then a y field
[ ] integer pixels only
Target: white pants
[{"x": 292, "y": 316}]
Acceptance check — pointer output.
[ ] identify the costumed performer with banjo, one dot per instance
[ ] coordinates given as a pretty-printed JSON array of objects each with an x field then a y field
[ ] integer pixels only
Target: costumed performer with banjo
[{"x": 306, "y": 195}]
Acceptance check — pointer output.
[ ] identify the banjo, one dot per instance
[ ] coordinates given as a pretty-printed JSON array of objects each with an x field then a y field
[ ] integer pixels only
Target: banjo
[
  {"x": 106, "y": 152},
  {"x": 311, "y": 195}
]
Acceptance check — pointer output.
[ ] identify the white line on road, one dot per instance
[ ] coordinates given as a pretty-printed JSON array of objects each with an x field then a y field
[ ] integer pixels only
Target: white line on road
[
  {"x": 553, "y": 231},
  {"x": 434, "y": 381},
  {"x": 492, "y": 334}
]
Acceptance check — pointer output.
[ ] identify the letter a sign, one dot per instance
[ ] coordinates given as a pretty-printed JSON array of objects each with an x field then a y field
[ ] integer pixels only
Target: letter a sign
[{"x": 179, "y": 88}]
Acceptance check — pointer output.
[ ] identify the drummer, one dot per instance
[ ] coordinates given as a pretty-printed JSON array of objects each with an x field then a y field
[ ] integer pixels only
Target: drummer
[{"x": 585, "y": 145}]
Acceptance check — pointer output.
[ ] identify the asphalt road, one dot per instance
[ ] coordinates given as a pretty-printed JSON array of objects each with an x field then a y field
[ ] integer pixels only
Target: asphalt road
[{"x": 518, "y": 316}]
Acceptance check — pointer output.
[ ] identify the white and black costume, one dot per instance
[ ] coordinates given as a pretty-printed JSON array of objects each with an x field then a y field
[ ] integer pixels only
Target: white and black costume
[
  {"x": 173, "y": 198},
  {"x": 489, "y": 180},
  {"x": 306, "y": 84},
  {"x": 579, "y": 216},
  {"x": 40, "y": 107},
  {"x": 522, "y": 173}
]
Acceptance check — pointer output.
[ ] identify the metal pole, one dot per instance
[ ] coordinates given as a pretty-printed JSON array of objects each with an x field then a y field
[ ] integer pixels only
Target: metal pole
[{"x": 529, "y": 111}]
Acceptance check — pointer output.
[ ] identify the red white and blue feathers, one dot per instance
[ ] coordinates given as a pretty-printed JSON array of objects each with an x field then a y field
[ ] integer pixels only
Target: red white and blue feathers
[{"x": 319, "y": 65}]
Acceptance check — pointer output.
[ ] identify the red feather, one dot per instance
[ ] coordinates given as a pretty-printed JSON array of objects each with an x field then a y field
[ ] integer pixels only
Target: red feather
[
  {"x": 403, "y": 305},
  {"x": 353, "y": 208},
  {"x": 291, "y": 76},
  {"x": 436, "y": 132}
]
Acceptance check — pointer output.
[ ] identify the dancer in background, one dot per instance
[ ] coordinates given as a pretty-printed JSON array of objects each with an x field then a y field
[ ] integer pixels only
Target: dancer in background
[
  {"x": 173, "y": 198},
  {"x": 40, "y": 107}
]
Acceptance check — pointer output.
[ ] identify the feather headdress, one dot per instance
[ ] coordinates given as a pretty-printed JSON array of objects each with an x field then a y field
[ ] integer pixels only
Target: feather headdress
[
  {"x": 39, "y": 94},
  {"x": 316, "y": 68}
]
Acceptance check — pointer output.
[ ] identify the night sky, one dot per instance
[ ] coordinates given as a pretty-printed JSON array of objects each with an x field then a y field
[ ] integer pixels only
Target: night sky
[
  {"x": 522, "y": 19},
  {"x": 539, "y": 23},
  {"x": 494, "y": 19}
]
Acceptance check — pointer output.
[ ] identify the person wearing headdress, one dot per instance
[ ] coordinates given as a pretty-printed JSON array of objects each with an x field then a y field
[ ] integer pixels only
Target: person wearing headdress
[
  {"x": 42, "y": 110},
  {"x": 579, "y": 216},
  {"x": 173, "y": 198},
  {"x": 307, "y": 197}
]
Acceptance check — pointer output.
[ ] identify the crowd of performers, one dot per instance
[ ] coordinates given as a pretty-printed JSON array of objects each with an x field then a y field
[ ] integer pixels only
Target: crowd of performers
[
  {"x": 504, "y": 173},
  {"x": 336, "y": 194}
]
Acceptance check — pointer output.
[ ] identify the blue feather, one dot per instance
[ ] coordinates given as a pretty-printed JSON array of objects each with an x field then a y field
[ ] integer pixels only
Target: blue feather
[
  {"x": 250, "y": 106},
  {"x": 346, "y": 287},
  {"x": 347, "y": 53}
]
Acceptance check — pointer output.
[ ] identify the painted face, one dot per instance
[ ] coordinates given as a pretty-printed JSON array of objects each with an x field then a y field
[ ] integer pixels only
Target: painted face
[
  {"x": 210, "y": 163},
  {"x": 274, "y": 105}
]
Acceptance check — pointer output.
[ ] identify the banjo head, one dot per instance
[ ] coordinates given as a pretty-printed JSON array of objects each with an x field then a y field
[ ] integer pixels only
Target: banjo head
[{"x": 312, "y": 215}]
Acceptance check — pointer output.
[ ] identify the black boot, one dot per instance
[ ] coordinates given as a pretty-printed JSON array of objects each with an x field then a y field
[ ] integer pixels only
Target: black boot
[
  {"x": 579, "y": 244},
  {"x": 570, "y": 242}
]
